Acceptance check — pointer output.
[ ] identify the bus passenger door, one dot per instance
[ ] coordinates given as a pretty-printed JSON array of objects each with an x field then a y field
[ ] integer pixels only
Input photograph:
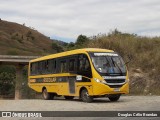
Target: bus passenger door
[
  {"x": 71, "y": 82},
  {"x": 72, "y": 70}
]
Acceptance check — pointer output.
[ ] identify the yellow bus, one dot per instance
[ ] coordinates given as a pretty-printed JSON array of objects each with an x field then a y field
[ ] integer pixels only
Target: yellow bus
[{"x": 87, "y": 73}]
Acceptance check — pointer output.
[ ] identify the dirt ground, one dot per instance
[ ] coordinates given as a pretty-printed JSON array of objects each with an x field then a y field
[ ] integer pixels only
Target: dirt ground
[{"x": 126, "y": 103}]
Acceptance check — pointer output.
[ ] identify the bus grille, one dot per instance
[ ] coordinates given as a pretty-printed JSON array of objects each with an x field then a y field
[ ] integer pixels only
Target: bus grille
[
  {"x": 115, "y": 86},
  {"x": 115, "y": 80}
]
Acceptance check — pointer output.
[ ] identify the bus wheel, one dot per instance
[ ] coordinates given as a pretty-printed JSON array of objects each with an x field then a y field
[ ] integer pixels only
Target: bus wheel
[
  {"x": 85, "y": 96},
  {"x": 68, "y": 97},
  {"x": 46, "y": 95},
  {"x": 114, "y": 97}
]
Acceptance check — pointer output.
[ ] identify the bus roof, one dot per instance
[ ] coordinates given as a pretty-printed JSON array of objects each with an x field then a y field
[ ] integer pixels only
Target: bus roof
[{"x": 77, "y": 51}]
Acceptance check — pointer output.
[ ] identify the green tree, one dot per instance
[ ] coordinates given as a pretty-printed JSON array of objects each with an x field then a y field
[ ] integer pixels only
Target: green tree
[
  {"x": 57, "y": 47},
  {"x": 70, "y": 46},
  {"x": 81, "y": 40},
  {"x": 7, "y": 80},
  {"x": 26, "y": 91}
]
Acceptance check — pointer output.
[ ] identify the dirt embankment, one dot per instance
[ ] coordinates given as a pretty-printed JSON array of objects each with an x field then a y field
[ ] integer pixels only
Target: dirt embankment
[{"x": 142, "y": 83}]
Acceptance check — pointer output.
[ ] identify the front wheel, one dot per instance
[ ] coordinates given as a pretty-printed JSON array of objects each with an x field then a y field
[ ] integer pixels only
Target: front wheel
[
  {"x": 114, "y": 97},
  {"x": 85, "y": 96}
]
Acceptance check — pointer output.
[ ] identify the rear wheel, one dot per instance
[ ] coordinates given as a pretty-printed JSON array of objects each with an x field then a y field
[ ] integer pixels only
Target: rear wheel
[
  {"x": 114, "y": 97},
  {"x": 68, "y": 97},
  {"x": 85, "y": 96},
  {"x": 46, "y": 95}
]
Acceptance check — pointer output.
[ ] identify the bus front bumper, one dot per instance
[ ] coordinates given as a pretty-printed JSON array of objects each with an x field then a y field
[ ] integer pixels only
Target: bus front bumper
[{"x": 104, "y": 89}]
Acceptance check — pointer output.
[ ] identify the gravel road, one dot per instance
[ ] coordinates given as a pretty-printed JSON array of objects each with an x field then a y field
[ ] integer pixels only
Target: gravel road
[{"x": 126, "y": 103}]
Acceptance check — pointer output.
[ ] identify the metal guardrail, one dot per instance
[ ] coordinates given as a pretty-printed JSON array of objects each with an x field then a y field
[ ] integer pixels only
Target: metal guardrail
[{"x": 11, "y": 58}]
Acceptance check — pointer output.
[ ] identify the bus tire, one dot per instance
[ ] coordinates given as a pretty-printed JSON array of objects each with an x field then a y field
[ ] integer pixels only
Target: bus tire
[
  {"x": 46, "y": 95},
  {"x": 85, "y": 96},
  {"x": 114, "y": 97},
  {"x": 68, "y": 97}
]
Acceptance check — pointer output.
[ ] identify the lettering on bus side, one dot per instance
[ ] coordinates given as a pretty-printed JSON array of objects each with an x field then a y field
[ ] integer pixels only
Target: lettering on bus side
[
  {"x": 32, "y": 80},
  {"x": 46, "y": 80}
]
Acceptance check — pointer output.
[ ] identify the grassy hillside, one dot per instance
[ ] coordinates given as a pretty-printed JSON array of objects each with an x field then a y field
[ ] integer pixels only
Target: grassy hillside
[
  {"x": 16, "y": 39},
  {"x": 145, "y": 65}
]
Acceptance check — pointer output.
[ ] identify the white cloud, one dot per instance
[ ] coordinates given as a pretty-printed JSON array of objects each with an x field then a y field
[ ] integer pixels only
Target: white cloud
[{"x": 69, "y": 18}]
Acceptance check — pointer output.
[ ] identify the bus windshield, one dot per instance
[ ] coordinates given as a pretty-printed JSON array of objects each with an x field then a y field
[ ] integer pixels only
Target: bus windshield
[{"x": 108, "y": 63}]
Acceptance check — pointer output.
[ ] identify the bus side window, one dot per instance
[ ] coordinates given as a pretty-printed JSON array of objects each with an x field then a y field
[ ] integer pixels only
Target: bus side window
[
  {"x": 63, "y": 66},
  {"x": 45, "y": 68},
  {"x": 42, "y": 66},
  {"x": 51, "y": 68},
  {"x": 72, "y": 65},
  {"x": 87, "y": 65},
  {"x": 39, "y": 68},
  {"x": 84, "y": 67},
  {"x": 84, "y": 64},
  {"x": 81, "y": 64},
  {"x": 32, "y": 66},
  {"x": 55, "y": 68},
  {"x": 36, "y": 68}
]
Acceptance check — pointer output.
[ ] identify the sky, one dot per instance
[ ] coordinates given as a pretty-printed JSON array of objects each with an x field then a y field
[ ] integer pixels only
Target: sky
[{"x": 66, "y": 19}]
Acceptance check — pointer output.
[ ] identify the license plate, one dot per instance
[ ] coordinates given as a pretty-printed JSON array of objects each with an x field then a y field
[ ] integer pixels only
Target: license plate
[{"x": 116, "y": 89}]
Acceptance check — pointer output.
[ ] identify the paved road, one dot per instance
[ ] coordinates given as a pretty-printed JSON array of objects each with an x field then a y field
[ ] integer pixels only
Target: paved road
[{"x": 126, "y": 103}]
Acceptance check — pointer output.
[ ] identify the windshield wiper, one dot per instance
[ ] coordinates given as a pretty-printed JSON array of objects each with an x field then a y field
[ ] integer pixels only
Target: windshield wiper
[{"x": 115, "y": 64}]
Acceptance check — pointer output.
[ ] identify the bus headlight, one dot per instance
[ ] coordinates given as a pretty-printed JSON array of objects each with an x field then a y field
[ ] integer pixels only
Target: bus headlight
[{"x": 100, "y": 81}]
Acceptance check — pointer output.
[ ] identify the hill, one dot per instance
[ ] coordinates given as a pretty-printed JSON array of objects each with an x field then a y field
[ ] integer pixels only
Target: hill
[{"x": 16, "y": 39}]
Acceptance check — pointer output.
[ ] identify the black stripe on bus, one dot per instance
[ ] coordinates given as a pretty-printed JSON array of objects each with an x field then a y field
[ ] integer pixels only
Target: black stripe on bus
[{"x": 59, "y": 79}]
